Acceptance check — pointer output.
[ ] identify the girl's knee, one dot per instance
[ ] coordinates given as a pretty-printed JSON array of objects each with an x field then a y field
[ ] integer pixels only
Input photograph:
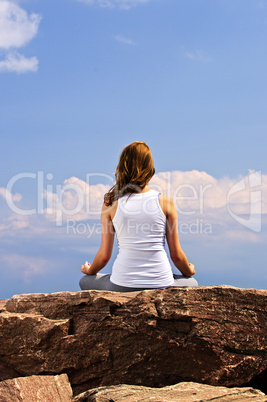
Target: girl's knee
[
  {"x": 193, "y": 282},
  {"x": 181, "y": 281},
  {"x": 82, "y": 282}
]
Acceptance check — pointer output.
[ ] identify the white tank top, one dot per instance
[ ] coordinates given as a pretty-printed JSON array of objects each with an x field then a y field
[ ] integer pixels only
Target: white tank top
[{"x": 140, "y": 226}]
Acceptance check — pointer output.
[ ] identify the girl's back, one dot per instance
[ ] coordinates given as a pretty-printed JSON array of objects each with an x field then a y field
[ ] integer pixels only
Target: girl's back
[{"x": 140, "y": 226}]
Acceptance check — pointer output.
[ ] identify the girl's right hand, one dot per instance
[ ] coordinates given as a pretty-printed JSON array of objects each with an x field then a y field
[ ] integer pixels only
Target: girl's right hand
[{"x": 85, "y": 268}]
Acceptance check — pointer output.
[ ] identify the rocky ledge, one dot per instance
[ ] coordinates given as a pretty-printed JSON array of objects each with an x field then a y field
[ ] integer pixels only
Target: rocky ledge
[{"x": 155, "y": 338}]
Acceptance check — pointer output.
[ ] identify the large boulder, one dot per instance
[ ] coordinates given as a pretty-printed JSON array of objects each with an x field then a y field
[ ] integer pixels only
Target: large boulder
[
  {"x": 182, "y": 392},
  {"x": 213, "y": 335}
]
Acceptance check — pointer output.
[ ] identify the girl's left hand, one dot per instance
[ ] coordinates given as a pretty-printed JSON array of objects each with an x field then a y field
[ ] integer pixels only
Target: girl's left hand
[{"x": 85, "y": 268}]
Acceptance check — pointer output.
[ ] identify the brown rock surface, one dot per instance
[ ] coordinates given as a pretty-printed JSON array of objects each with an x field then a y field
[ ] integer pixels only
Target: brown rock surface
[
  {"x": 213, "y": 335},
  {"x": 183, "y": 392},
  {"x": 36, "y": 389},
  {"x": 2, "y": 304}
]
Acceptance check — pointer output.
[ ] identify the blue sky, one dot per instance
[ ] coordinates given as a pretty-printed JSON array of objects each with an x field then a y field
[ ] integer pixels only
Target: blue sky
[{"x": 81, "y": 79}]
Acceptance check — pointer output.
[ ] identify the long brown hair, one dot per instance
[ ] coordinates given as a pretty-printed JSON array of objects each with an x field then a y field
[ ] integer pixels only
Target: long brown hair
[{"x": 134, "y": 170}]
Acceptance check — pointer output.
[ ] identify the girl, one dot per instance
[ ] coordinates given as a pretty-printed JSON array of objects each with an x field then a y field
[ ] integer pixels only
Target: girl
[{"x": 141, "y": 218}]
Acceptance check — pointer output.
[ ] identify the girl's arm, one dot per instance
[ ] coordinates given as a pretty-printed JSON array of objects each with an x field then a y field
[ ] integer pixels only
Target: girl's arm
[
  {"x": 105, "y": 251},
  {"x": 177, "y": 255}
]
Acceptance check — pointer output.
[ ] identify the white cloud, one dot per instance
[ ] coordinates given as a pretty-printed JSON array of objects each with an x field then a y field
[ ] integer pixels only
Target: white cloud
[
  {"x": 15, "y": 62},
  {"x": 224, "y": 202},
  {"x": 77, "y": 200},
  {"x": 198, "y": 55},
  {"x": 123, "y": 39},
  {"x": 123, "y": 4},
  {"x": 197, "y": 190},
  {"x": 17, "y": 28}
]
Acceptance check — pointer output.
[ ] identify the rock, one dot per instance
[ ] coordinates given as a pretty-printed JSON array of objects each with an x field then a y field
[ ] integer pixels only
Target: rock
[
  {"x": 2, "y": 304},
  {"x": 212, "y": 335},
  {"x": 36, "y": 389},
  {"x": 183, "y": 392}
]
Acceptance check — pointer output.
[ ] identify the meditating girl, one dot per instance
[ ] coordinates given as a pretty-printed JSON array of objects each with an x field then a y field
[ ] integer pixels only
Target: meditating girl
[{"x": 142, "y": 219}]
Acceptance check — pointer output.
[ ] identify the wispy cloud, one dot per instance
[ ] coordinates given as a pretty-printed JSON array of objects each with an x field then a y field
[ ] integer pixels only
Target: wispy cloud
[
  {"x": 198, "y": 55},
  {"x": 25, "y": 267},
  {"x": 17, "y": 28},
  {"x": 16, "y": 62},
  {"x": 126, "y": 41},
  {"x": 5, "y": 193},
  {"x": 123, "y": 4}
]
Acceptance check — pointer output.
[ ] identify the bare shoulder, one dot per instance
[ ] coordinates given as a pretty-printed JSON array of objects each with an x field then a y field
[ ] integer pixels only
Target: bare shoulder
[{"x": 166, "y": 204}]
